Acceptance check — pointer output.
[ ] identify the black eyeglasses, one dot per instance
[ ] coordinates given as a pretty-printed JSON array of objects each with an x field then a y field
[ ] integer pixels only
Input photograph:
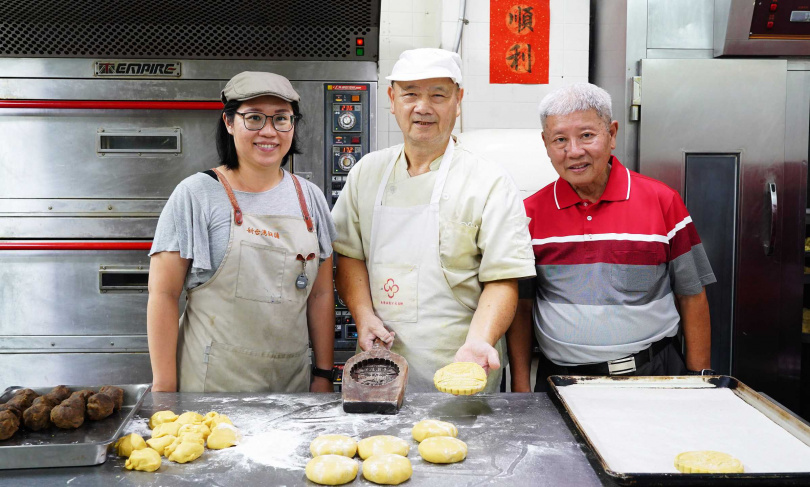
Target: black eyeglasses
[{"x": 282, "y": 122}]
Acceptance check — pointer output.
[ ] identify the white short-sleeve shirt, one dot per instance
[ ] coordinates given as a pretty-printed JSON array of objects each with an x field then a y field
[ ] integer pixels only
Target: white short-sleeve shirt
[{"x": 483, "y": 229}]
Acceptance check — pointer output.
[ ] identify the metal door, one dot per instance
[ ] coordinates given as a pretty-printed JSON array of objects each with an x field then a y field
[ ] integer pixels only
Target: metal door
[{"x": 715, "y": 130}]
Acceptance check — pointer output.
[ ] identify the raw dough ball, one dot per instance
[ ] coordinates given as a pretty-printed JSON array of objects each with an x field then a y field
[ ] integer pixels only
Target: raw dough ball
[
  {"x": 193, "y": 436},
  {"x": 224, "y": 435},
  {"x": 707, "y": 461},
  {"x": 331, "y": 470},
  {"x": 433, "y": 427},
  {"x": 186, "y": 452},
  {"x": 213, "y": 418},
  {"x": 145, "y": 460},
  {"x": 129, "y": 443},
  {"x": 190, "y": 417},
  {"x": 333, "y": 445},
  {"x": 460, "y": 378},
  {"x": 161, "y": 417},
  {"x": 194, "y": 428},
  {"x": 387, "y": 469},
  {"x": 443, "y": 449},
  {"x": 376, "y": 445},
  {"x": 221, "y": 419},
  {"x": 164, "y": 429},
  {"x": 159, "y": 444},
  {"x": 169, "y": 449}
]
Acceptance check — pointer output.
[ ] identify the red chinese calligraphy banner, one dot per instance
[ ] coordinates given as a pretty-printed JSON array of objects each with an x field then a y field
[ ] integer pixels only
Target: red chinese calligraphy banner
[{"x": 518, "y": 41}]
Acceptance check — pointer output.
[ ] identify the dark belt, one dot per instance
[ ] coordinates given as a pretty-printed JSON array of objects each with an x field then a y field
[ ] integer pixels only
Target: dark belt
[{"x": 623, "y": 366}]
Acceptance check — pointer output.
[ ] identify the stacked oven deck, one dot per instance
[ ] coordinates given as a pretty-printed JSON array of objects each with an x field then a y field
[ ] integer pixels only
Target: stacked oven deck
[{"x": 89, "y": 161}]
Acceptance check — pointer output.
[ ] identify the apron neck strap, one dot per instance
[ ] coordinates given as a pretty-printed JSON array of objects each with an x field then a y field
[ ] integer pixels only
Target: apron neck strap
[
  {"x": 441, "y": 175},
  {"x": 237, "y": 218},
  {"x": 238, "y": 212},
  {"x": 444, "y": 168},
  {"x": 302, "y": 203}
]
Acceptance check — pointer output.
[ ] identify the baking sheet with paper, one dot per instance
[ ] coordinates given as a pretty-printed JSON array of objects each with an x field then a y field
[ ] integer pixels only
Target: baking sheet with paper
[{"x": 641, "y": 429}]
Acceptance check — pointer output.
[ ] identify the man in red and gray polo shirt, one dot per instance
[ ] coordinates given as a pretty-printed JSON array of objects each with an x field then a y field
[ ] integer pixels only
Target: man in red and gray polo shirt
[{"x": 620, "y": 266}]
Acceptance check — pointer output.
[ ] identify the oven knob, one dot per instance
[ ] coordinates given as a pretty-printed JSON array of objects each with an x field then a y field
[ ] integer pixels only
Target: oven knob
[
  {"x": 346, "y": 162},
  {"x": 346, "y": 120}
]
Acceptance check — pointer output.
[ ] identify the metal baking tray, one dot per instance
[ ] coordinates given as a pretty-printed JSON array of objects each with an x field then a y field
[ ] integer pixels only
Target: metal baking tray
[
  {"x": 773, "y": 411},
  {"x": 86, "y": 445}
]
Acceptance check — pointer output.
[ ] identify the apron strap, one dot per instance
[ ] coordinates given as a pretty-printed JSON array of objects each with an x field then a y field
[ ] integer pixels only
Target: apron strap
[
  {"x": 303, "y": 203},
  {"x": 441, "y": 175},
  {"x": 237, "y": 212}
]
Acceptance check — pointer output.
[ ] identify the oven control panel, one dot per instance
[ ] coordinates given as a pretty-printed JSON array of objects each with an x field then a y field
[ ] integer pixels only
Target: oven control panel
[{"x": 347, "y": 116}]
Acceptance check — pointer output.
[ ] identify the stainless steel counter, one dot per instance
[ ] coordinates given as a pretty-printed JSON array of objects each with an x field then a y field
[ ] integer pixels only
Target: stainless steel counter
[{"x": 513, "y": 439}]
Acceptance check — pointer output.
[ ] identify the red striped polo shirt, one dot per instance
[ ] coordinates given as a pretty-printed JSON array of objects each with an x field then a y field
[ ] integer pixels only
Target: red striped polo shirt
[{"x": 606, "y": 271}]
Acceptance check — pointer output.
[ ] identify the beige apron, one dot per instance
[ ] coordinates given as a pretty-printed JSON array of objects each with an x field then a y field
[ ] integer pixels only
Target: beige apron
[
  {"x": 408, "y": 289},
  {"x": 245, "y": 330}
]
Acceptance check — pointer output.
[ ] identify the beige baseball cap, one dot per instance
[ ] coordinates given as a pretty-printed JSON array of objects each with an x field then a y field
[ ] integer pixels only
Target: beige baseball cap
[
  {"x": 252, "y": 84},
  {"x": 427, "y": 63}
]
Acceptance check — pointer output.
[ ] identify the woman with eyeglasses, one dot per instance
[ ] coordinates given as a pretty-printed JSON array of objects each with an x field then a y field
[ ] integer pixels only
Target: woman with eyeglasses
[{"x": 251, "y": 244}]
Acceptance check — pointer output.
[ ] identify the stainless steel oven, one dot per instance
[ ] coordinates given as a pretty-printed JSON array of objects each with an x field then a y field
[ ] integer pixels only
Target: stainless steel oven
[
  {"x": 713, "y": 98},
  {"x": 102, "y": 113}
]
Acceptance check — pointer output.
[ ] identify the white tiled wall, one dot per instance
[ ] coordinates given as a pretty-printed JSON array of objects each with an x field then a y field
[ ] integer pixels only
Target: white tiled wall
[{"x": 407, "y": 24}]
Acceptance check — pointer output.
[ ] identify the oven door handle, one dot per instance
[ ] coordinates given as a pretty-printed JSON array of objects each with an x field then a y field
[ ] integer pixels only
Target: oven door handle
[
  {"x": 112, "y": 105},
  {"x": 771, "y": 244},
  {"x": 73, "y": 245}
]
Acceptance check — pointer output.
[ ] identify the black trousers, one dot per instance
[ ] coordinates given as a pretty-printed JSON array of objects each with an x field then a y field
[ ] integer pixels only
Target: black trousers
[{"x": 668, "y": 361}]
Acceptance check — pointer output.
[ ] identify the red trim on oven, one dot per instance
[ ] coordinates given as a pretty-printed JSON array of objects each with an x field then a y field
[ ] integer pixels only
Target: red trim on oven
[
  {"x": 95, "y": 245},
  {"x": 113, "y": 105}
]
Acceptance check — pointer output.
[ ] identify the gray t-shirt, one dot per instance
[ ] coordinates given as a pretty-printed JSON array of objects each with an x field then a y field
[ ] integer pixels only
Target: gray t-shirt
[{"x": 196, "y": 220}]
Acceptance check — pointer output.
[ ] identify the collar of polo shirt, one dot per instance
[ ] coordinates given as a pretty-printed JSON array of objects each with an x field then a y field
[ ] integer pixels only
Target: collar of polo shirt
[{"x": 617, "y": 189}]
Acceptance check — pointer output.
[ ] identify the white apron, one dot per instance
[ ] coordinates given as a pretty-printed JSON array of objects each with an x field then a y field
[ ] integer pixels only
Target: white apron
[
  {"x": 245, "y": 330},
  {"x": 408, "y": 289}
]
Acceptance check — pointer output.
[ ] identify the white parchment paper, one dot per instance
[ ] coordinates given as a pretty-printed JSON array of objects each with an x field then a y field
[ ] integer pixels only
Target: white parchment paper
[{"x": 642, "y": 429}]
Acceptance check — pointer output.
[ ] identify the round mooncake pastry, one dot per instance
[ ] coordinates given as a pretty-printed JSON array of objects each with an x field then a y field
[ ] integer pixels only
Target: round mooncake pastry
[
  {"x": 707, "y": 461},
  {"x": 387, "y": 469},
  {"x": 377, "y": 445},
  {"x": 460, "y": 378},
  {"x": 428, "y": 428},
  {"x": 443, "y": 449},
  {"x": 333, "y": 445},
  {"x": 331, "y": 470}
]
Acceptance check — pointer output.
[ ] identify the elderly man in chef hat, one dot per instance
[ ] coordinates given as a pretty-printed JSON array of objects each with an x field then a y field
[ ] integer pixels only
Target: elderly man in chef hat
[{"x": 432, "y": 239}]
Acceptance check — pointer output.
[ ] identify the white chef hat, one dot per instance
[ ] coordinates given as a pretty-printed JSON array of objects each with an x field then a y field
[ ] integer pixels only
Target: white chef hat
[{"x": 427, "y": 63}]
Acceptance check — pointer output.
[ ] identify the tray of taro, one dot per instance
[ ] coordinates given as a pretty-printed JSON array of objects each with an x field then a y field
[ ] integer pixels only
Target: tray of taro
[{"x": 64, "y": 426}]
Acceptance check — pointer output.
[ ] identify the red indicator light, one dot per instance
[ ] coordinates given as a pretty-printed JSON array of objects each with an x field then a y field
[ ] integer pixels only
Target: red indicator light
[
  {"x": 360, "y": 41},
  {"x": 355, "y": 98},
  {"x": 355, "y": 140},
  {"x": 770, "y": 25},
  {"x": 773, "y": 7}
]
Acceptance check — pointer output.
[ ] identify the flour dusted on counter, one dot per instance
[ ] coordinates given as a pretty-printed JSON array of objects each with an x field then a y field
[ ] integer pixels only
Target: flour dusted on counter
[
  {"x": 275, "y": 448},
  {"x": 277, "y": 431}
]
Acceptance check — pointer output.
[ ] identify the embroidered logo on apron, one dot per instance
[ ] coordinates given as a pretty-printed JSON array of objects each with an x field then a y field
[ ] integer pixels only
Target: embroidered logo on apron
[{"x": 391, "y": 288}]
